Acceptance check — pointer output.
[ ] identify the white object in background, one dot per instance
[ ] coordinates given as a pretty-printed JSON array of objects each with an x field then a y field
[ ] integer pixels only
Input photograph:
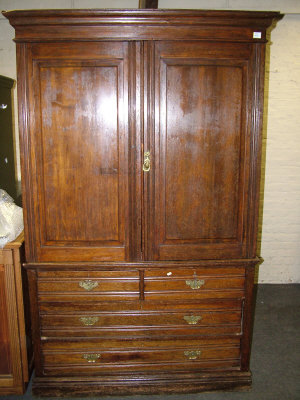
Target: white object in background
[{"x": 11, "y": 219}]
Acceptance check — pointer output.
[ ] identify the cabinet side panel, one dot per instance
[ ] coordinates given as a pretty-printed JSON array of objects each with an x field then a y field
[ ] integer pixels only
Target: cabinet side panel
[
  {"x": 256, "y": 119},
  {"x": 24, "y": 134}
]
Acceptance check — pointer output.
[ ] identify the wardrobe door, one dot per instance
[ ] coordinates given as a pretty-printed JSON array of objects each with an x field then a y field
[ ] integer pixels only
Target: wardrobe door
[
  {"x": 201, "y": 150},
  {"x": 77, "y": 151}
]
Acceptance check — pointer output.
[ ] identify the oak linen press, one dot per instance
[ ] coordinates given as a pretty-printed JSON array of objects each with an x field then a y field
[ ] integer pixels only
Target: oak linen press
[{"x": 141, "y": 141}]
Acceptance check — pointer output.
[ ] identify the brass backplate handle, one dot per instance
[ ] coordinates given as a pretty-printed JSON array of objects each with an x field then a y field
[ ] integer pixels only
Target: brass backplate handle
[
  {"x": 195, "y": 283},
  {"x": 147, "y": 163},
  {"x": 88, "y": 284},
  {"x": 192, "y": 354},
  {"x": 91, "y": 358},
  {"x": 192, "y": 319},
  {"x": 88, "y": 321}
]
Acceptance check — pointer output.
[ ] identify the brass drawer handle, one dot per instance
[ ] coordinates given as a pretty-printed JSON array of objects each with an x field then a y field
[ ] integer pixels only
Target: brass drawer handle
[
  {"x": 195, "y": 283},
  {"x": 91, "y": 358},
  {"x": 88, "y": 284},
  {"x": 146, "y": 165},
  {"x": 192, "y": 319},
  {"x": 192, "y": 354},
  {"x": 89, "y": 321}
]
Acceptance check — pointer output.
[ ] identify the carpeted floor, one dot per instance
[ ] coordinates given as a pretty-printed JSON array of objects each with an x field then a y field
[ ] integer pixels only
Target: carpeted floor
[{"x": 275, "y": 361}]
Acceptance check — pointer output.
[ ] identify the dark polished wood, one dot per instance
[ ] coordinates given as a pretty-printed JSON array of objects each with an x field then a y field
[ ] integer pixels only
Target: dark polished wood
[
  {"x": 150, "y": 383},
  {"x": 140, "y": 133},
  {"x": 232, "y": 26}
]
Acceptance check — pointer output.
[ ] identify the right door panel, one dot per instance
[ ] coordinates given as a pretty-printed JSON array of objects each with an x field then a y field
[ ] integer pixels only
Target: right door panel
[{"x": 201, "y": 146}]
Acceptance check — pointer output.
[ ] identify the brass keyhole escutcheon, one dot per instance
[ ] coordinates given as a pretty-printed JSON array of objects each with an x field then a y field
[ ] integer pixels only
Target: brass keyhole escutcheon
[{"x": 147, "y": 163}]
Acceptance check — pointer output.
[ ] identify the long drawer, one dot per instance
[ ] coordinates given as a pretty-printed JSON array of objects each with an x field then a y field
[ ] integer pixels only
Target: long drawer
[
  {"x": 96, "y": 320},
  {"x": 166, "y": 355},
  {"x": 141, "y": 318}
]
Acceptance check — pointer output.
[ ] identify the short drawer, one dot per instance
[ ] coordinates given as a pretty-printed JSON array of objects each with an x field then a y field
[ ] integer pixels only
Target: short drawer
[
  {"x": 194, "y": 283},
  {"x": 87, "y": 281},
  {"x": 87, "y": 285}
]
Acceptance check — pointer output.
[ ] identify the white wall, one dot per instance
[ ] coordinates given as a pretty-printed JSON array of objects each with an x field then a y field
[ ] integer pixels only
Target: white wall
[{"x": 280, "y": 246}]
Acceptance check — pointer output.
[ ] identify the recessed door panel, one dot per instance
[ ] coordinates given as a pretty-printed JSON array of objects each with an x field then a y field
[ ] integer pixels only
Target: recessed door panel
[
  {"x": 80, "y": 152},
  {"x": 200, "y": 153}
]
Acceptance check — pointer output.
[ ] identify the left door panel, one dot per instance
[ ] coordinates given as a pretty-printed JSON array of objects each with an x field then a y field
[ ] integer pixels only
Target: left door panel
[{"x": 78, "y": 150}]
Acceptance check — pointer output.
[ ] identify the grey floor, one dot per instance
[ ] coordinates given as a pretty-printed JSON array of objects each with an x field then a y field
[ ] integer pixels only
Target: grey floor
[{"x": 275, "y": 361}]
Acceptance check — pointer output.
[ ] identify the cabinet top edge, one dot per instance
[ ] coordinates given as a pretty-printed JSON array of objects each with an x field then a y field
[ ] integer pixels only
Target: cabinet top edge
[{"x": 140, "y": 16}]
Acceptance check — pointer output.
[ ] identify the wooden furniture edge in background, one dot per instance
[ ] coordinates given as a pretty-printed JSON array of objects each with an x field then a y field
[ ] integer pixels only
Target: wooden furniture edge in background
[{"x": 15, "y": 307}]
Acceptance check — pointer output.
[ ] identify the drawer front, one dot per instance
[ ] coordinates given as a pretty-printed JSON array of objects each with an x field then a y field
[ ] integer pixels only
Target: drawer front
[
  {"x": 196, "y": 283},
  {"x": 88, "y": 321},
  {"x": 87, "y": 285},
  {"x": 165, "y": 355},
  {"x": 54, "y": 307},
  {"x": 103, "y": 357},
  {"x": 140, "y": 318}
]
